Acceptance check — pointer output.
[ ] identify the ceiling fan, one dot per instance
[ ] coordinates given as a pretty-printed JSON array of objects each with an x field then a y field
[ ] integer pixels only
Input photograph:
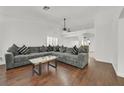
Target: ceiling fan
[{"x": 65, "y": 28}]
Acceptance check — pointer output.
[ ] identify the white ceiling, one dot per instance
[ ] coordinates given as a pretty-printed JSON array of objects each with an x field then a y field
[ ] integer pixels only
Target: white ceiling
[{"x": 78, "y": 17}]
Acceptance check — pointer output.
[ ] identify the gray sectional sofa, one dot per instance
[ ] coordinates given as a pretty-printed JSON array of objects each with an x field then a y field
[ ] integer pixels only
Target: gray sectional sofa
[{"x": 80, "y": 60}]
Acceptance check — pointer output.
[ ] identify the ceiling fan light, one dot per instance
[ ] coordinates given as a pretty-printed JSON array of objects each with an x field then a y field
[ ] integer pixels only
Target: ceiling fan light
[
  {"x": 64, "y": 29},
  {"x": 46, "y": 8}
]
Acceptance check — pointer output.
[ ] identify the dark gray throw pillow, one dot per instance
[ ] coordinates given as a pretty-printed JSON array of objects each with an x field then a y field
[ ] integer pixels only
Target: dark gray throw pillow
[
  {"x": 23, "y": 50},
  {"x": 13, "y": 49},
  {"x": 62, "y": 49},
  {"x": 56, "y": 48},
  {"x": 34, "y": 49},
  {"x": 75, "y": 50},
  {"x": 26, "y": 51},
  {"x": 43, "y": 49},
  {"x": 49, "y": 48}
]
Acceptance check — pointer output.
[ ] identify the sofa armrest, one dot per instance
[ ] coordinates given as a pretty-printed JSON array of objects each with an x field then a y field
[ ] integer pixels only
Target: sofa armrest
[
  {"x": 9, "y": 58},
  {"x": 83, "y": 59}
]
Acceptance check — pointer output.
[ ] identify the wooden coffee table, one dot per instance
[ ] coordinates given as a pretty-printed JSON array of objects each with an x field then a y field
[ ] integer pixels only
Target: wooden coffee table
[{"x": 41, "y": 60}]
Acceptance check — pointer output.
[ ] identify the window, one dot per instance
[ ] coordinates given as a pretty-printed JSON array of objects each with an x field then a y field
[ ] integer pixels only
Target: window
[{"x": 53, "y": 41}]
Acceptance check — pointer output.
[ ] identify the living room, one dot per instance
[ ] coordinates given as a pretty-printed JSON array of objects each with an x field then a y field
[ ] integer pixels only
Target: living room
[{"x": 99, "y": 28}]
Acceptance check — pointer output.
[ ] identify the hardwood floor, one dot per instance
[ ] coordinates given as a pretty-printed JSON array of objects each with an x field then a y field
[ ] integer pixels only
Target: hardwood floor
[{"x": 95, "y": 73}]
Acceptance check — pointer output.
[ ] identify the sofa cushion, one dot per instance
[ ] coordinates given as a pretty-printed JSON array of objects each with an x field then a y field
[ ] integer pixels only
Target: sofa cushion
[
  {"x": 34, "y": 55},
  {"x": 34, "y": 49},
  {"x": 59, "y": 54},
  {"x": 69, "y": 50},
  {"x": 13, "y": 49},
  {"x": 20, "y": 58},
  {"x": 66, "y": 57},
  {"x": 71, "y": 57},
  {"x": 56, "y": 53}
]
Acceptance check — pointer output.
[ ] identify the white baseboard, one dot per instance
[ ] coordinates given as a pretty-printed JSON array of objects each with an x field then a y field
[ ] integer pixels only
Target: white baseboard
[
  {"x": 2, "y": 61},
  {"x": 120, "y": 74},
  {"x": 116, "y": 70},
  {"x": 104, "y": 61}
]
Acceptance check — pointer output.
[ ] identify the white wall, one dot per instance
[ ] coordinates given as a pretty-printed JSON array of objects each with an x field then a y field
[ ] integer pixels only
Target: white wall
[
  {"x": 103, "y": 26},
  {"x": 121, "y": 47},
  {"x": 114, "y": 42},
  {"x": 2, "y": 39},
  {"x": 109, "y": 39},
  {"x": 106, "y": 35},
  {"x": 31, "y": 32}
]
